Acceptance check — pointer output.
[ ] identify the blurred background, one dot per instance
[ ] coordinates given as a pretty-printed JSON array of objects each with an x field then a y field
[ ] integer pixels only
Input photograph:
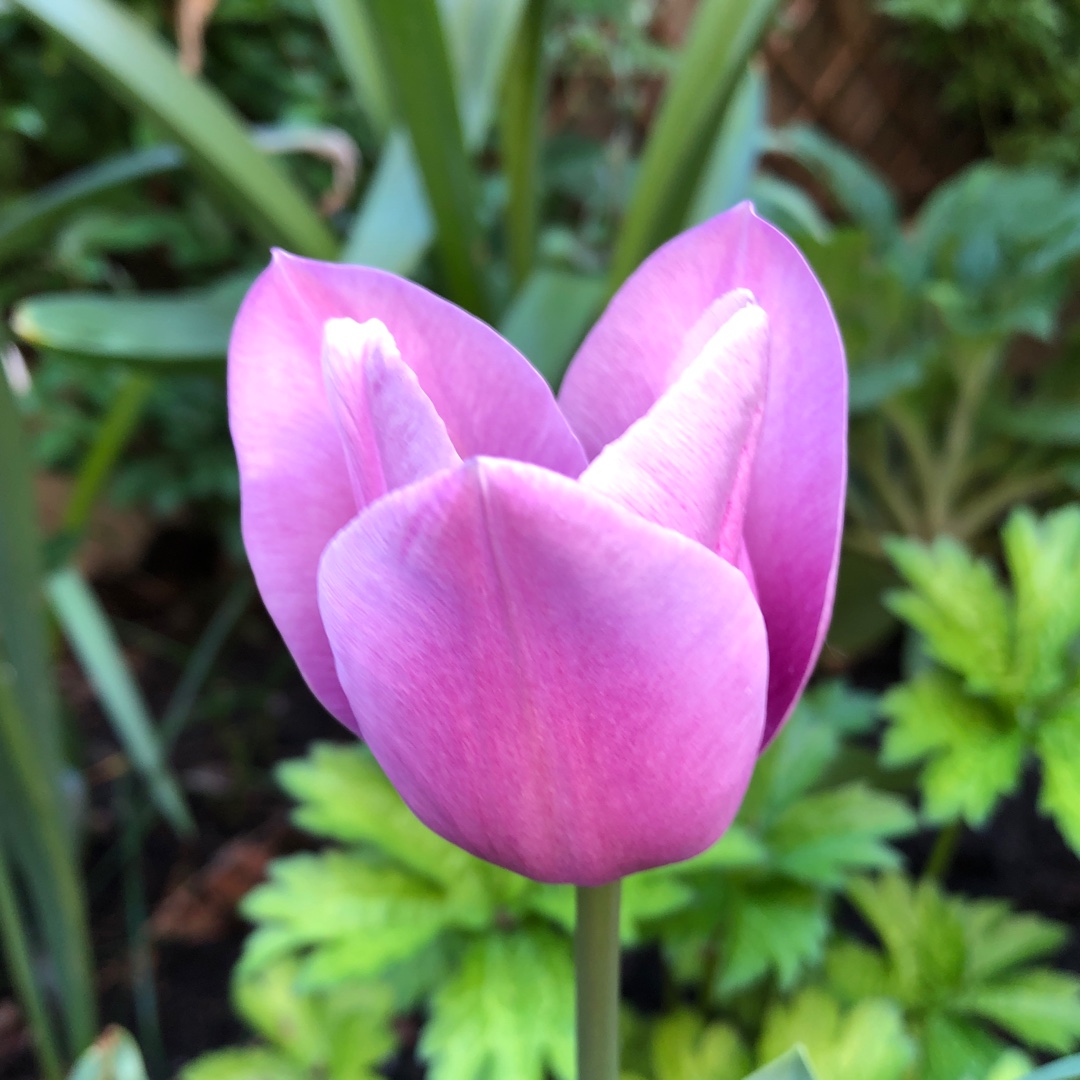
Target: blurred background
[{"x": 521, "y": 157}]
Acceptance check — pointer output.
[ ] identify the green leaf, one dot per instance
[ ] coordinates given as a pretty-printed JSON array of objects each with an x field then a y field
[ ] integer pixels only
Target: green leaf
[
  {"x": 415, "y": 54},
  {"x": 508, "y": 1012},
  {"x": 723, "y": 36},
  {"x": 345, "y": 795},
  {"x": 1057, "y": 742},
  {"x": 115, "y": 45},
  {"x": 350, "y": 918},
  {"x": 114, "y": 1055},
  {"x": 244, "y": 1063},
  {"x": 1040, "y": 1008},
  {"x": 866, "y": 1042},
  {"x": 823, "y": 838},
  {"x": 343, "y": 1032},
  {"x": 26, "y": 222},
  {"x": 1012, "y": 1065},
  {"x": 725, "y": 180},
  {"x": 959, "y": 607},
  {"x": 1044, "y": 565},
  {"x": 770, "y": 928},
  {"x": 685, "y": 1047},
  {"x": 352, "y": 36},
  {"x": 975, "y": 754},
  {"x": 393, "y": 228},
  {"x": 954, "y": 1048},
  {"x": 867, "y": 198},
  {"x": 549, "y": 317},
  {"x": 160, "y": 332},
  {"x": 91, "y": 637},
  {"x": 792, "y": 1066}
]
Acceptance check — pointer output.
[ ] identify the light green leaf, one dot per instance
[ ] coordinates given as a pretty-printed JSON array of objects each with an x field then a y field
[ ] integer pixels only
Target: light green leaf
[
  {"x": 975, "y": 753},
  {"x": 187, "y": 329},
  {"x": 954, "y": 1048},
  {"x": 723, "y": 36},
  {"x": 825, "y": 837},
  {"x": 508, "y": 1013},
  {"x": 1041, "y": 1008},
  {"x": 393, "y": 228},
  {"x": 91, "y": 637},
  {"x": 114, "y": 1055},
  {"x": 115, "y": 45},
  {"x": 1012, "y": 1065},
  {"x": 865, "y": 1042},
  {"x": 1044, "y": 564},
  {"x": 770, "y": 928},
  {"x": 549, "y": 317},
  {"x": 1057, "y": 741},
  {"x": 685, "y": 1047},
  {"x": 349, "y": 918},
  {"x": 244, "y": 1063},
  {"x": 958, "y": 605}
]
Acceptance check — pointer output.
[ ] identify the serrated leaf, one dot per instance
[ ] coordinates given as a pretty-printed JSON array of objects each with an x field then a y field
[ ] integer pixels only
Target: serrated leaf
[
  {"x": 507, "y": 1013},
  {"x": 960, "y": 608},
  {"x": 826, "y": 836},
  {"x": 855, "y": 971},
  {"x": 1041, "y": 1008},
  {"x": 244, "y": 1063},
  {"x": 1044, "y": 565},
  {"x": 685, "y": 1047},
  {"x": 352, "y": 919},
  {"x": 770, "y": 928},
  {"x": 956, "y": 1049},
  {"x": 1057, "y": 742},
  {"x": 975, "y": 754},
  {"x": 865, "y": 1042},
  {"x": 1000, "y": 940}
]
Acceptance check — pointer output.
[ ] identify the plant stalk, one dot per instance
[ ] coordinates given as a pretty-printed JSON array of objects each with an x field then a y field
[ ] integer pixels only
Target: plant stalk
[{"x": 596, "y": 956}]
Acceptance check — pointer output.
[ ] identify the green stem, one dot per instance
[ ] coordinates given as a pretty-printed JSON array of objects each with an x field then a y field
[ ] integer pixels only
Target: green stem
[
  {"x": 596, "y": 949},
  {"x": 941, "y": 857}
]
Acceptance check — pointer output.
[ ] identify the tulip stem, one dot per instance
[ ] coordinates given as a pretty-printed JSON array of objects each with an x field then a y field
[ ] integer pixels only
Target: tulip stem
[{"x": 596, "y": 949}]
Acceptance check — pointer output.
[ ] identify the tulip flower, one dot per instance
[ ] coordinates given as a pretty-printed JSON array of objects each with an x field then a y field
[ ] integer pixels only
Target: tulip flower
[{"x": 566, "y": 628}]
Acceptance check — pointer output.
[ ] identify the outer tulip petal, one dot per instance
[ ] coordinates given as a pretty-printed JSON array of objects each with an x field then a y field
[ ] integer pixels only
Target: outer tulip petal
[
  {"x": 294, "y": 482},
  {"x": 390, "y": 431},
  {"x": 796, "y": 502},
  {"x": 686, "y": 463},
  {"x": 549, "y": 681}
]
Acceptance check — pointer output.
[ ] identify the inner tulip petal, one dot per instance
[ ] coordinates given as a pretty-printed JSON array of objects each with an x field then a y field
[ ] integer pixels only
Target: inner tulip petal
[
  {"x": 390, "y": 431},
  {"x": 539, "y": 671},
  {"x": 686, "y": 463}
]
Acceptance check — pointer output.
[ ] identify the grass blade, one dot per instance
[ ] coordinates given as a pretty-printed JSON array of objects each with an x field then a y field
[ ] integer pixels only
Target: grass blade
[
  {"x": 116, "y": 46},
  {"x": 419, "y": 69},
  {"x": 721, "y": 40},
  {"x": 393, "y": 229},
  {"x": 521, "y": 130},
  {"x": 94, "y": 644},
  {"x": 34, "y": 832},
  {"x": 549, "y": 317},
  {"x": 733, "y": 159},
  {"x": 157, "y": 331},
  {"x": 352, "y": 37}
]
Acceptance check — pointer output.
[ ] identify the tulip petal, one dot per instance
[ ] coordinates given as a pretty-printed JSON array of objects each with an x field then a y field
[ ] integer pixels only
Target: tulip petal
[
  {"x": 549, "y": 681},
  {"x": 686, "y": 463},
  {"x": 294, "y": 481},
  {"x": 390, "y": 431},
  {"x": 796, "y": 501}
]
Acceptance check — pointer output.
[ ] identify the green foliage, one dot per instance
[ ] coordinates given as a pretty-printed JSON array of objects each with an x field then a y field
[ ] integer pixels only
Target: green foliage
[
  {"x": 960, "y": 970},
  {"x": 803, "y": 832},
  {"x": 114, "y": 1055},
  {"x": 1009, "y": 64},
  {"x": 1004, "y": 686},
  {"x": 340, "y": 1035}
]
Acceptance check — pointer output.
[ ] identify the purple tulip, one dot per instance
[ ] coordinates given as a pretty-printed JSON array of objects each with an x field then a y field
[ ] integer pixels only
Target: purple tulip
[{"x": 565, "y": 629}]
